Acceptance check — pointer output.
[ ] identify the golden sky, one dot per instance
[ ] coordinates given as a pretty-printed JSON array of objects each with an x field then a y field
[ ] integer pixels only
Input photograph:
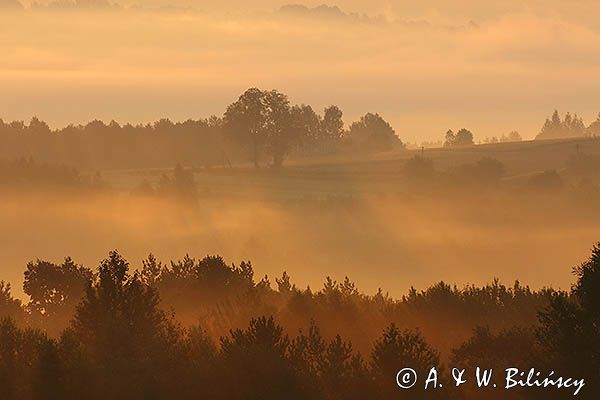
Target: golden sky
[{"x": 491, "y": 66}]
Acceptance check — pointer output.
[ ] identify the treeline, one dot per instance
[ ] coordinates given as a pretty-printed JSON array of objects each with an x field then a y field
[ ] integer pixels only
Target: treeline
[
  {"x": 571, "y": 126},
  {"x": 27, "y": 175},
  {"x": 126, "y": 338},
  {"x": 23, "y": 175},
  {"x": 261, "y": 127},
  {"x": 464, "y": 137},
  {"x": 225, "y": 296}
]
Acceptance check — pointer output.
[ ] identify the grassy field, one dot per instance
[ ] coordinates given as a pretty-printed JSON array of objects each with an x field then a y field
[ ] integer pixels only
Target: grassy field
[{"x": 350, "y": 174}]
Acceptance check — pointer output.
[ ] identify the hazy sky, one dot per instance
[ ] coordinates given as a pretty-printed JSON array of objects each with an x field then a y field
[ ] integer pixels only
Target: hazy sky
[{"x": 491, "y": 66}]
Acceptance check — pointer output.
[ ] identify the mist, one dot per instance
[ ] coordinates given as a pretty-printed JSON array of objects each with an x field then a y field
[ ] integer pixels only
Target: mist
[
  {"x": 392, "y": 242},
  {"x": 274, "y": 200}
]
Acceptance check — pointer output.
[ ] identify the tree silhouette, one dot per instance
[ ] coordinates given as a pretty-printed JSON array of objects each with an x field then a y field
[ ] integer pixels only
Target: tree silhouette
[
  {"x": 570, "y": 326},
  {"x": 54, "y": 292},
  {"x": 555, "y": 127},
  {"x": 260, "y": 118},
  {"x": 29, "y": 367},
  {"x": 121, "y": 344},
  {"x": 332, "y": 126},
  {"x": 395, "y": 350},
  {"x": 256, "y": 364},
  {"x": 124, "y": 333},
  {"x": 10, "y": 307},
  {"x": 305, "y": 126},
  {"x": 373, "y": 133},
  {"x": 462, "y": 138},
  {"x": 594, "y": 128},
  {"x": 180, "y": 186}
]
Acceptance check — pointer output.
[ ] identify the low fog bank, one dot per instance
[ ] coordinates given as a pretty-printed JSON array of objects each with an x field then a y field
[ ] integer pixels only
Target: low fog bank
[{"x": 393, "y": 242}]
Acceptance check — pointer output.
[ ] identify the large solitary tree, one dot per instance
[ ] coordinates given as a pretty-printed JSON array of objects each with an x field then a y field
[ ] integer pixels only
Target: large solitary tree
[{"x": 260, "y": 119}]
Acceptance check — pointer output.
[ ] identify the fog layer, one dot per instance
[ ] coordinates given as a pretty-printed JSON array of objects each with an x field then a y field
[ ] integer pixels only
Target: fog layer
[{"x": 393, "y": 243}]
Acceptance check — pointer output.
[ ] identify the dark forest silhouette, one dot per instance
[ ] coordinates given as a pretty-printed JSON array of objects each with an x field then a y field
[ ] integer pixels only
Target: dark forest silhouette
[
  {"x": 181, "y": 331},
  {"x": 261, "y": 127}
]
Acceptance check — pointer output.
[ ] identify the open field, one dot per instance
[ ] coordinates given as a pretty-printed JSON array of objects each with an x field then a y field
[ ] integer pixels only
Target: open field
[{"x": 359, "y": 175}]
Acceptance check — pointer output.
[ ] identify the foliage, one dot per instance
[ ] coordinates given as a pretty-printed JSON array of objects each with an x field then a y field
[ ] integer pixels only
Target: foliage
[
  {"x": 122, "y": 344},
  {"x": 54, "y": 291},
  {"x": 555, "y": 127},
  {"x": 462, "y": 138},
  {"x": 373, "y": 133},
  {"x": 570, "y": 325}
]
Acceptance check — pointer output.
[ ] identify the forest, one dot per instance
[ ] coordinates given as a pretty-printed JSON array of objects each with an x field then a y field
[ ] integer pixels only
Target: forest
[{"x": 206, "y": 328}]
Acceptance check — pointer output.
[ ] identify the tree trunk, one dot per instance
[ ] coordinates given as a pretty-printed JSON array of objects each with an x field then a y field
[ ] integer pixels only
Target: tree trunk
[{"x": 255, "y": 148}]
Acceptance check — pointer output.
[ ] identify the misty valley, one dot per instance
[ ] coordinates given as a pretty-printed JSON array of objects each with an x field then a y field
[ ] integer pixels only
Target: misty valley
[
  {"x": 235, "y": 200},
  {"x": 348, "y": 265}
]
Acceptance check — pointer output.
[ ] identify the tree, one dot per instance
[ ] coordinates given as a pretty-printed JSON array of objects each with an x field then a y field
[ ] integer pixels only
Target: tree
[
  {"x": 305, "y": 128},
  {"x": 181, "y": 186},
  {"x": 395, "y": 350},
  {"x": 256, "y": 363},
  {"x": 463, "y": 137},
  {"x": 513, "y": 136},
  {"x": 29, "y": 365},
  {"x": 594, "y": 128},
  {"x": 514, "y": 347},
  {"x": 260, "y": 118},
  {"x": 38, "y": 127},
  {"x": 54, "y": 292},
  {"x": 554, "y": 127},
  {"x": 449, "y": 138},
  {"x": 202, "y": 371},
  {"x": 339, "y": 369},
  {"x": 373, "y": 133},
  {"x": 245, "y": 119},
  {"x": 278, "y": 125},
  {"x": 570, "y": 326},
  {"x": 10, "y": 307},
  {"x": 132, "y": 344},
  {"x": 332, "y": 126}
]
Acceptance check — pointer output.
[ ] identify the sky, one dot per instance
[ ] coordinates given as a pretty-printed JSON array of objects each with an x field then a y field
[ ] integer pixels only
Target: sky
[{"x": 429, "y": 66}]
